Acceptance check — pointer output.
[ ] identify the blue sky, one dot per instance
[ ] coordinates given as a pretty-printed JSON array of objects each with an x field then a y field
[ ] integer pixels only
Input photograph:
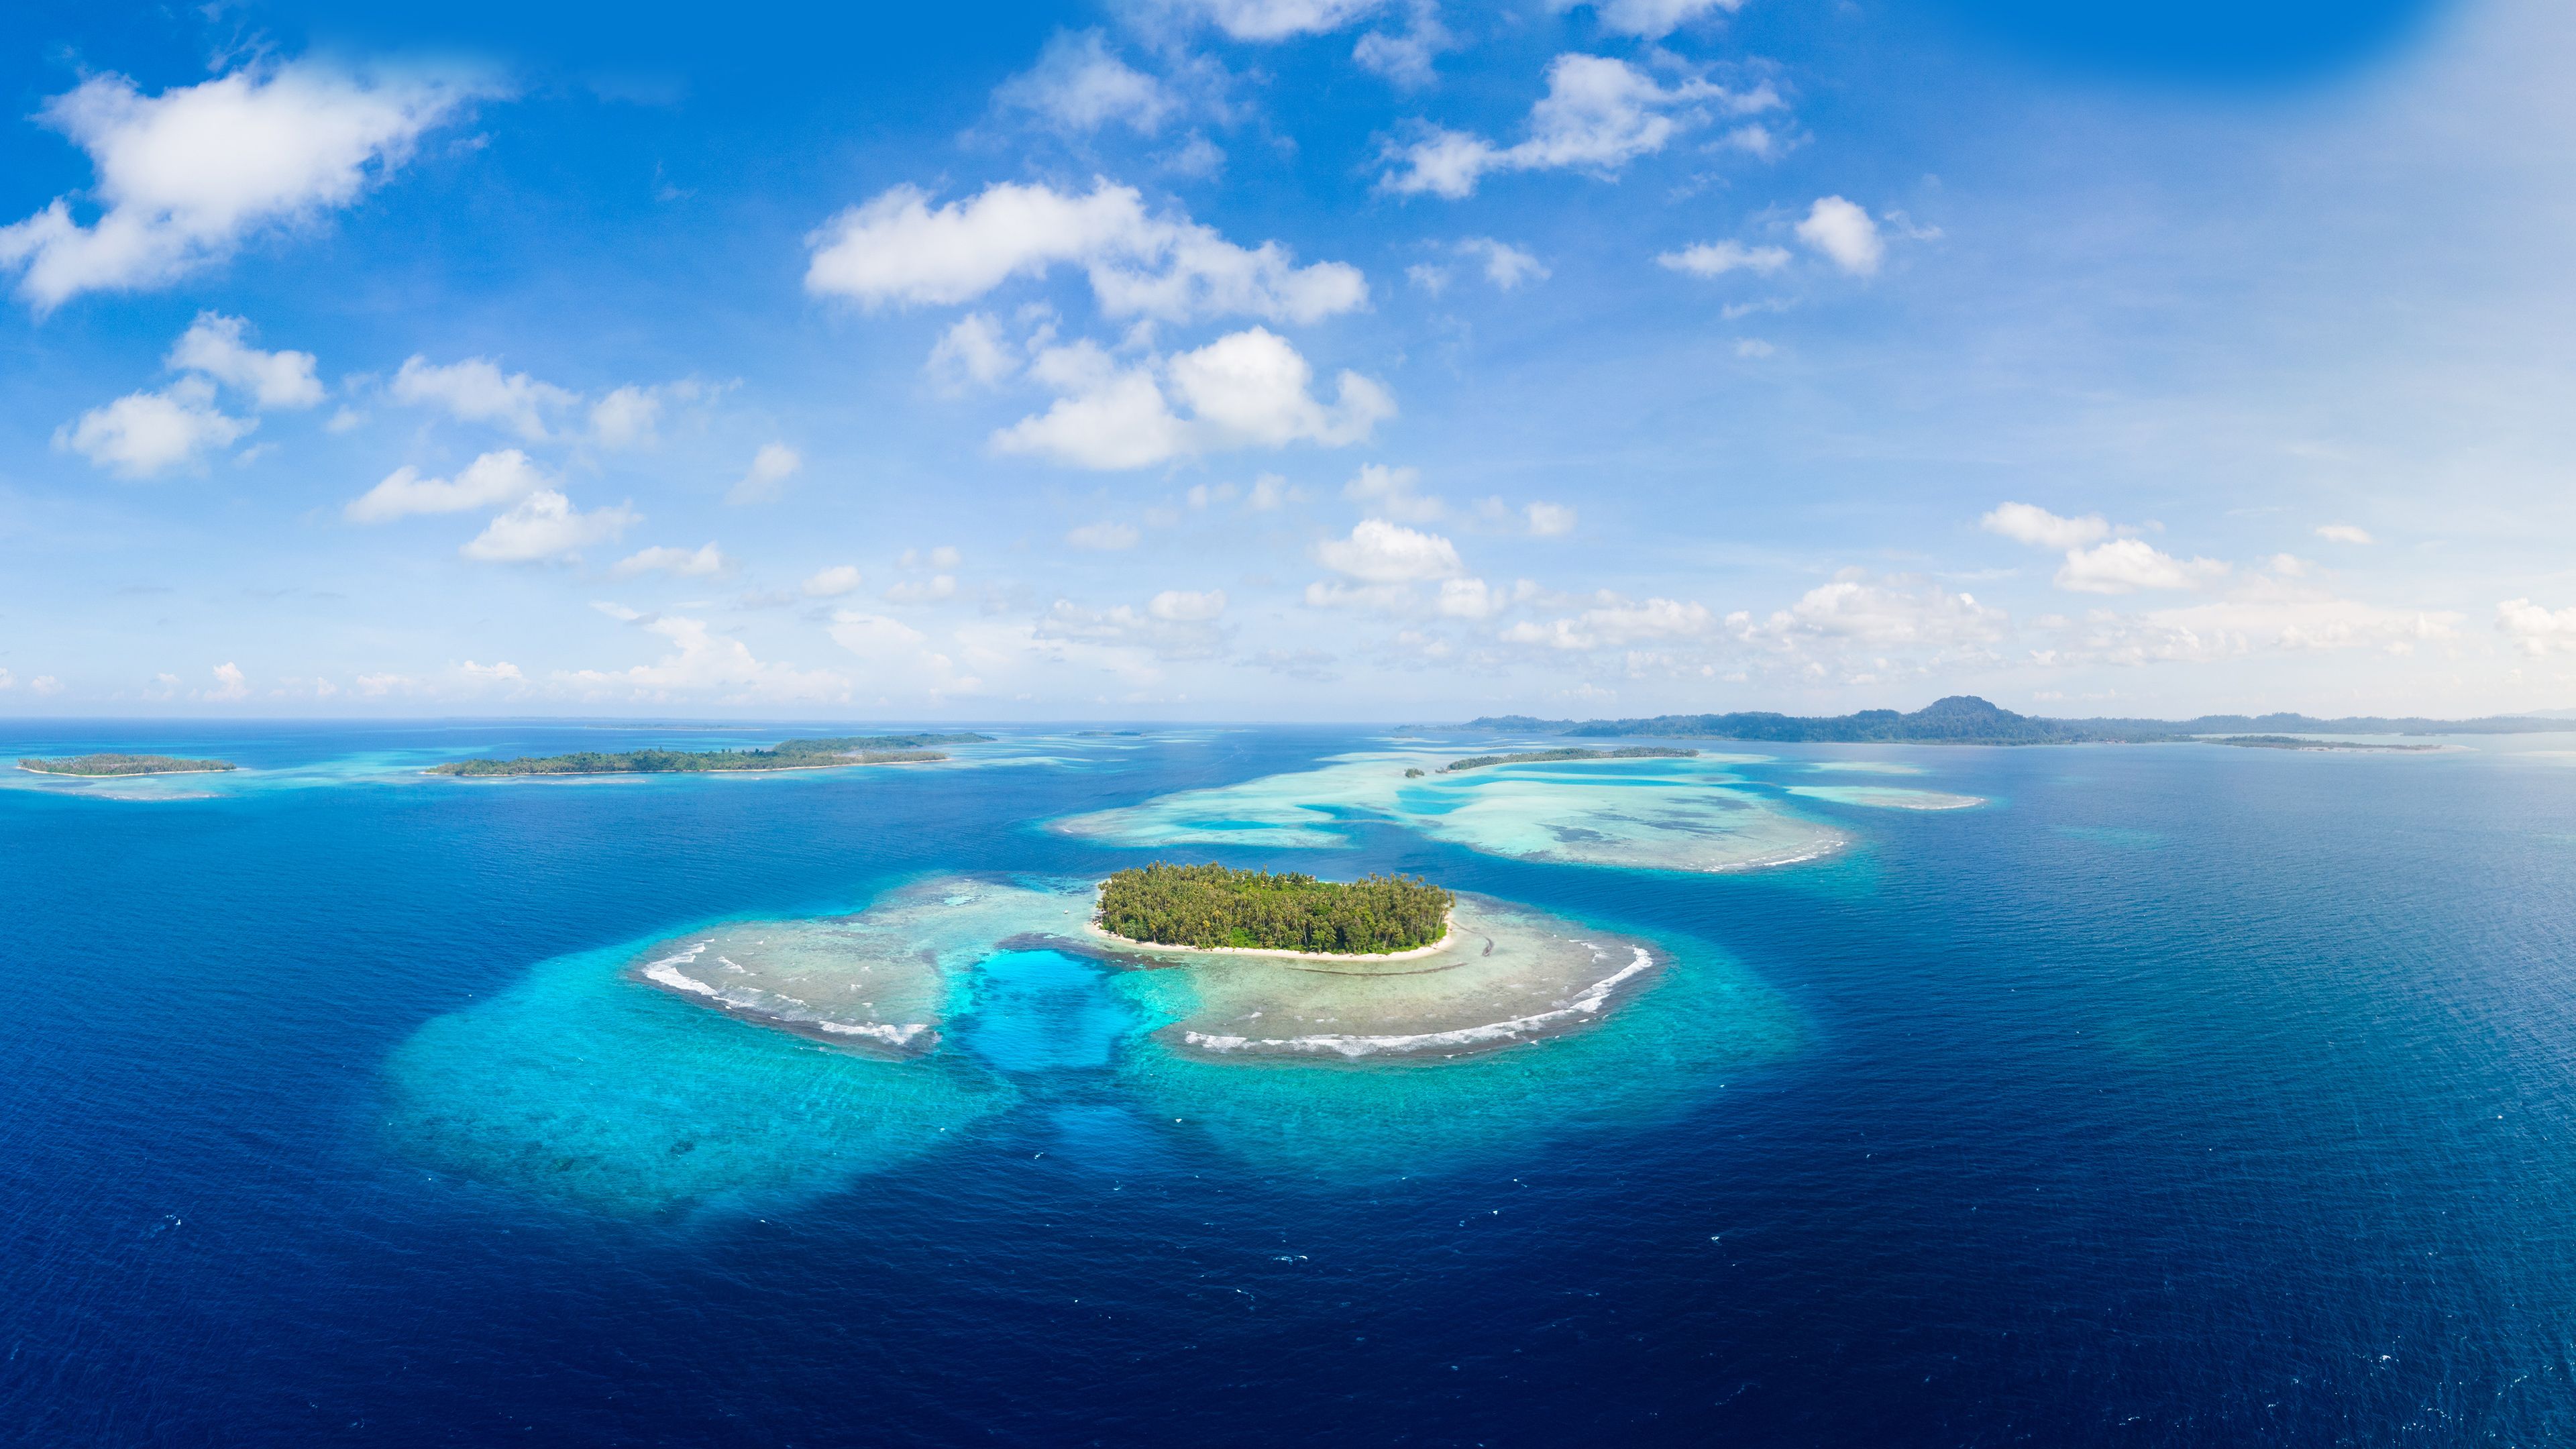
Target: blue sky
[{"x": 1286, "y": 359}]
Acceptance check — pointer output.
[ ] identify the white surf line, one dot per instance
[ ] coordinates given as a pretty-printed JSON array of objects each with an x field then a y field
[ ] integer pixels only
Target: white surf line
[
  {"x": 667, "y": 972},
  {"x": 892, "y": 1035},
  {"x": 1587, "y": 1004}
]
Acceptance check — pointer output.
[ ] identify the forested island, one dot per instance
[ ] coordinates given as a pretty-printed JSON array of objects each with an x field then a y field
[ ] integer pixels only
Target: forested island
[
  {"x": 1964, "y": 719},
  {"x": 813, "y": 754},
  {"x": 1539, "y": 757},
  {"x": 106, "y": 766},
  {"x": 1211, "y": 906}
]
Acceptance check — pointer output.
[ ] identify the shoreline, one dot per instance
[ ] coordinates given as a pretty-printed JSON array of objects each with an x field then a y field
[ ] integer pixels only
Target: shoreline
[
  {"x": 122, "y": 774},
  {"x": 1582, "y": 1009},
  {"x": 1448, "y": 934},
  {"x": 611, "y": 774}
]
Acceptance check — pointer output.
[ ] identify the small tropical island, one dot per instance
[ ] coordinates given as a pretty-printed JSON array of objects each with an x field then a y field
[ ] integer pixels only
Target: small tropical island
[
  {"x": 2293, "y": 742},
  {"x": 805, "y": 754},
  {"x": 110, "y": 766},
  {"x": 1543, "y": 757},
  {"x": 1212, "y": 907}
]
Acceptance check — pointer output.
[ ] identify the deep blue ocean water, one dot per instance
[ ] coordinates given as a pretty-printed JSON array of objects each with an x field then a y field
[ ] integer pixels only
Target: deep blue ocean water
[{"x": 2179, "y": 1095}]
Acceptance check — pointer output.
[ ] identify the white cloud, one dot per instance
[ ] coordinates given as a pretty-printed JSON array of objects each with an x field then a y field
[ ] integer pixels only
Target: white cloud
[
  {"x": 627, "y": 418},
  {"x": 1270, "y": 492},
  {"x": 487, "y": 482},
  {"x": 145, "y": 433},
  {"x": 1753, "y": 347},
  {"x": 1506, "y": 266},
  {"x": 1404, "y": 57},
  {"x": 8, "y": 680},
  {"x": 1650, "y": 19},
  {"x": 496, "y": 673},
  {"x": 1276, "y": 19},
  {"x": 1615, "y": 622},
  {"x": 1379, "y": 552},
  {"x": 2036, "y": 526},
  {"x": 2342, "y": 533},
  {"x": 896, "y": 652},
  {"x": 2261, "y": 613},
  {"x": 1853, "y": 610},
  {"x": 705, "y": 562},
  {"x": 544, "y": 525},
  {"x": 183, "y": 177},
  {"x": 833, "y": 582},
  {"x": 897, "y": 249},
  {"x": 771, "y": 467},
  {"x": 1598, "y": 115},
  {"x": 216, "y": 345},
  {"x": 1180, "y": 606},
  {"x": 704, "y": 666},
  {"x": 1106, "y": 537},
  {"x": 1471, "y": 599},
  {"x": 2124, "y": 565},
  {"x": 477, "y": 391},
  {"x": 972, "y": 352},
  {"x": 2534, "y": 629},
  {"x": 229, "y": 684},
  {"x": 1246, "y": 389},
  {"x": 1079, "y": 85},
  {"x": 46, "y": 684},
  {"x": 1390, "y": 491},
  {"x": 1844, "y": 233},
  {"x": 945, "y": 556},
  {"x": 1716, "y": 259},
  {"x": 1550, "y": 520},
  {"x": 923, "y": 591}
]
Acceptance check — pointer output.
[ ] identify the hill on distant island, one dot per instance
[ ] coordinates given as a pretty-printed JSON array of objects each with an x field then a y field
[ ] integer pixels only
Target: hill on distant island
[{"x": 1964, "y": 719}]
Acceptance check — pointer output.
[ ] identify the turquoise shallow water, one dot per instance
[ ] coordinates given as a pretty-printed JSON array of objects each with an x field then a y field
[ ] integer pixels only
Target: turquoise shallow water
[{"x": 2172, "y": 1096}]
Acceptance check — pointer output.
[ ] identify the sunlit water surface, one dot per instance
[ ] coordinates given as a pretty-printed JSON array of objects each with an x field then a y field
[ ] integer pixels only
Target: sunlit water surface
[{"x": 2159, "y": 1095}]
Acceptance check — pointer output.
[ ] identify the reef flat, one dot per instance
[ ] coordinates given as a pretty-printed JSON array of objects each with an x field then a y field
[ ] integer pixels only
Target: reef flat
[
  {"x": 801, "y": 754},
  {"x": 1657, "y": 813},
  {"x": 1887, "y": 797}
]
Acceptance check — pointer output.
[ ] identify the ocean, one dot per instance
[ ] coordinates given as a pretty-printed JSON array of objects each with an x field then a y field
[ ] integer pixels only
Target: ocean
[{"x": 2170, "y": 1094}]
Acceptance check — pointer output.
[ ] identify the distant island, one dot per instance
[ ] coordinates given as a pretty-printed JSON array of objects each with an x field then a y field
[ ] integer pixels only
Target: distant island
[
  {"x": 1964, "y": 719},
  {"x": 1213, "y": 907},
  {"x": 2292, "y": 742},
  {"x": 103, "y": 766},
  {"x": 1540, "y": 757},
  {"x": 813, "y": 754}
]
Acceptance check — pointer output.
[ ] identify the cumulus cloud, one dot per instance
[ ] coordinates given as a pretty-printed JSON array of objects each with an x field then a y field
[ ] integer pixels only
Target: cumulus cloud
[
  {"x": 898, "y": 653},
  {"x": 1506, "y": 266},
  {"x": 2036, "y": 526},
  {"x": 2125, "y": 565},
  {"x": 1379, "y": 552},
  {"x": 2261, "y": 613},
  {"x": 923, "y": 591},
  {"x": 771, "y": 467},
  {"x": 972, "y": 353},
  {"x": 183, "y": 177},
  {"x": 1716, "y": 259},
  {"x": 1878, "y": 615},
  {"x": 218, "y": 346},
  {"x": 832, "y": 583},
  {"x": 1598, "y": 115},
  {"x": 477, "y": 391},
  {"x": 1080, "y": 85},
  {"x": 229, "y": 683},
  {"x": 1471, "y": 599},
  {"x": 143, "y": 434},
  {"x": 1106, "y": 537},
  {"x": 544, "y": 526},
  {"x": 1404, "y": 56},
  {"x": 2536, "y": 630},
  {"x": 1274, "y": 19},
  {"x": 1550, "y": 520},
  {"x": 898, "y": 249},
  {"x": 701, "y": 665},
  {"x": 1614, "y": 622},
  {"x": 1181, "y": 606},
  {"x": 1390, "y": 491},
  {"x": 488, "y": 482},
  {"x": 1650, "y": 19},
  {"x": 704, "y": 562},
  {"x": 46, "y": 684},
  {"x": 1246, "y": 389},
  {"x": 1844, "y": 234},
  {"x": 501, "y": 672},
  {"x": 2342, "y": 533},
  {"x": 629, "y": 417}
]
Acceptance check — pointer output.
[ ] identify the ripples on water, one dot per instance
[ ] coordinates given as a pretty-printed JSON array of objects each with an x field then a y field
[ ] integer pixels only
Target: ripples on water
[{"x": 2176, "y": 1095}]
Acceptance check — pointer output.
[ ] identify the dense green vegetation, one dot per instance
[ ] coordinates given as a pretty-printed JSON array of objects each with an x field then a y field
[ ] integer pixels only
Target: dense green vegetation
[
  {"x": 1210, "y": 905},
  {"x": 124, "y": 765},
  {"x": 1964, "y": 719},
  {"x": 2290, "y": 742},
  {"x": 1537, "y": 757},
  {"x": 785, "y": 755}
]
